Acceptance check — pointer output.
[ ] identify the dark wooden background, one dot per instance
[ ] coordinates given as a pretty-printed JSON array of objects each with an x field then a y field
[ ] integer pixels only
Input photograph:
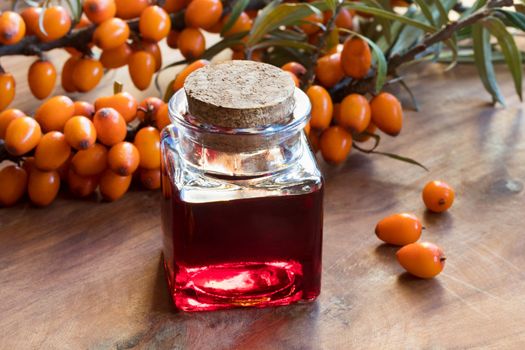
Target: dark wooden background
[{"x": 87, "y": 275}]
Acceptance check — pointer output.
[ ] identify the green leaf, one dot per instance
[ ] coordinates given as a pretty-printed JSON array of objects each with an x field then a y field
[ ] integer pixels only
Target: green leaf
[
  {"x": 236, "y": 11},
  {"x": 483, "y": 61},
  {"x": 477, "y": 5},
  {"x": 76, "y": 9},
  {"x": 515, "y": 19},
  {"x": 390, "y": 155},
  {"x": 283, "y": 42},
  {"x": 426, "y": 11},
  {"x": 509, "y": 49},
  {"x": 332, "y": 4}
]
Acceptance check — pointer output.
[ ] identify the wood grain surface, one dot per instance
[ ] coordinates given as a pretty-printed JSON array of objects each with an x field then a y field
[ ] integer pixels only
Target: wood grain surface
[{"x": 87, "y": 275}]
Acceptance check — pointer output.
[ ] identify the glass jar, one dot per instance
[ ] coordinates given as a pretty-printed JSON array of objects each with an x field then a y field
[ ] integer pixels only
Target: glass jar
[{"x": 242, "y": 212}]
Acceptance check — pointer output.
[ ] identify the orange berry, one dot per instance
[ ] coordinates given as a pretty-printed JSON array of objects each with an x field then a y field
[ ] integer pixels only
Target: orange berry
[
  {"x": 328, "y": 69},
  {"x": 399, "y": 229},
  {"x": 64, "y": 168},
  {"x": 141, "y": 65},
  {"x": 67, "y": 74},
  {"x": 150, "y": 178},
  {"x": 173, "y": 37},
  {"x": 123, "y": 158},
  {"x": 181, "y": 77},
  {"x": 117, "y": 57},
  {"x": 81, "y": 186},
  {"x": 310, "y": 28},
  {"x": 91, "y": 161},
  {"x": 147, "y": 142},
  {"x": 356, "y": 58},
  {"x": 154, "y": 23},
  {"x": 294, "y": 67},
  {"x": 43, "y": 186},
  {"x": 28, "y": 164},
  {"x": 111, "y": 34},
  {"x": 12, "y": 28},
  {"x": 113, "y": 186},
  {"x": 399, "y": 3},
  {"x": 127, "y": 9},
  {"x": 6, "y": 117},
  {"x": 242, "y": 24},
  {"x": 52, "y": 151},
  {"x": 387, "y": 113},
  {"x": 56, "y": 23},
  {"x": 344, "y": 19},
  {"x": 322, "y": 107},
  {"x": 53, "y": 114},
  {"x": 203, "y": 13},
  {"x": 7, "y": 90},
  {"x": 296, "y": 81},
  {"x": 355, "y": 112},
  {"x": 307, "y": 128},
  {"x": 163, "y": 118},
  {"x": 110, "y": 126},
  {"x": 148, "y": 109},
  {"x": 83, "y": 22},
  {"x": 335, "y": 144},
  {"x": 313, "y": 138},
  {"x": 191, "y": 43},
  {"x": 99, "y": 10},
  {"x": 87, "y": 74},
  {"x": 438, "y": 196},
  {"x": 154, "y": 49},
  {"x": 171, "y": 6},
  {"x": 422, "y": 259},
  {"x": 84, "y": 108},
  {"x": 22, "y": 135},
  {"x": 122, "y": 102},
  {"x": 13, "y": 184},
  {"x": 30, "y": 15},
  {"x": 370, "y": 129},
  {"x": 80, "y": 132},
  {"x": 41, "y": 78}
]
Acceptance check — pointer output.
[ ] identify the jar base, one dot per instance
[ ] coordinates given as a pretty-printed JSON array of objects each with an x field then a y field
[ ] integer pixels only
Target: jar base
[{"x": 234, "y": 285}]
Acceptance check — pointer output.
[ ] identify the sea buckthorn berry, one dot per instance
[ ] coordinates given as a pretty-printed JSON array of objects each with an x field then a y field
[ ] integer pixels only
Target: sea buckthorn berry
[
  {"x": 422, "y": 259},
  {"x": 307, "y": 128},
  {"x": 356, "y": 58},
  {"x": 154, "y": 23},
  {"x": 242, "y": 24},
  {"x": 141, "y": 65},
  {"x": 173, "y": 37},
  {"x": 328, "y": 70},
  {"x": 295, "y": 79},
  {"x": 111, "y": 34},
  {"x": 150, "y": 178},
  {"x": 127, "y": 9},
  {"x": 162, "y": 118},
  {"x": 294, "y": 67},
  {"x": 99, "y": 10},
  {"x": 67, "y": 74},
  {"x": 171, "y": 6},
  {"x": 81, "y": 186},
  {"x": 387, "y": 113},
  {"x": 91, "y": 161},
  {"x": 28, "y": 164},
  {"x": 438, "y": 196},
  {"x": 322, "y": 107},
  {"x": 53, "y": 114},
  {"x": 312, "y": 28},
  {"x": 335, "y": 144},
  {"x": 203, "y": 13},
  {"x": 80, "y": 132},
  {"x": 399, "y": 229},
  {"x": 181, "y": 77},
  {"x": 22, "y": 135},
  {"x": 13, "y": 184},
  {"x": 313, "y": 138},
  {"x": 364, "y": 136},
  {"x": 41, "y": 77},
  {"x": 30, "y": 15},
  {"x": 43, "y": 186},
  {"x": 6, "y": 117},
  {"x": 87, "y": 74},
  {"x": 399, "y": 3},
  {"x": 113, "y": 186},
  {"x": 123, "y": 102},
  {"x": 7, "y": 90},
  {"x": 52, "y": 151},
  {"x": 240, "y": 55},
  {"x": 147, "y": 141},
  {"x": 154, "y": 49},
  {"x": 123, "y": 158},
  {"x": 355, "y": 112},
  {"x": 117, "y": 57},
  {"x": 12, "y": 28},
  {"x": 64, "y": 168},
  {"x": 84, "y": 108},
  {"x": 191, "y": 43},
  {"x": 344, "y": 19},
  {"x": 56, "y": 23},
  {"x": 148, "y": 108},
  {"x": 110, "y": 126}
]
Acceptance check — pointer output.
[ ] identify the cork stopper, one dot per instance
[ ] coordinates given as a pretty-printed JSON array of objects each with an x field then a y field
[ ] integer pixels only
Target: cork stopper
[{"x": 240, "y": 94}]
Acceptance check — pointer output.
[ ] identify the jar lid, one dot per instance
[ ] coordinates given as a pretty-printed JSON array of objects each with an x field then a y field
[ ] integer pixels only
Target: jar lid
[{"x": 240, "y": 94}]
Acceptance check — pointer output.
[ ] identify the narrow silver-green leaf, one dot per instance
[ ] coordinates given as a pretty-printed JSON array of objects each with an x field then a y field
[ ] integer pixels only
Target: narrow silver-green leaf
[
  {"x": 285, "y": 43},
  {"x": 237, "y": 9},
  {"x": 426, "y": 11}
]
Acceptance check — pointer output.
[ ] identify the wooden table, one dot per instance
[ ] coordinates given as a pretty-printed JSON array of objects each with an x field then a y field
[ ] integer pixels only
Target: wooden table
[{"x": 87, "y": 275}]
